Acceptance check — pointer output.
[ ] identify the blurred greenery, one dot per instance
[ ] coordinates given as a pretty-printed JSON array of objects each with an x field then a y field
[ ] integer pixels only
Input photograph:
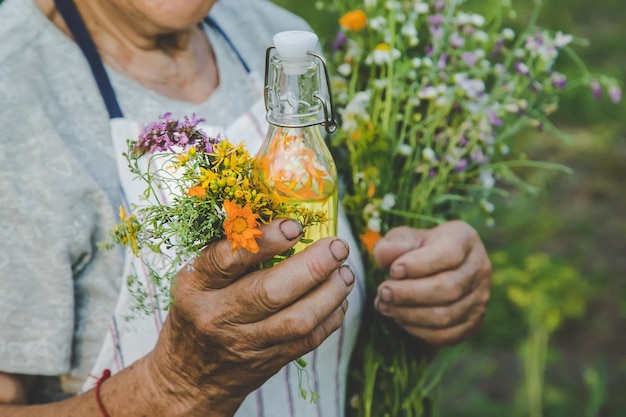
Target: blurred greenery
[{"x": 574, "y": 228}]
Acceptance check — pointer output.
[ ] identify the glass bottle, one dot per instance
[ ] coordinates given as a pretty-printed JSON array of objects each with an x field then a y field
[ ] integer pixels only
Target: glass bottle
[{"x": 294, "y": 164}]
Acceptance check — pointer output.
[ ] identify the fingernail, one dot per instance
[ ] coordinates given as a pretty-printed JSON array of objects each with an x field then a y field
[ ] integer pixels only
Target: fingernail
[
  {"x": 344, "y": 306},
  {"x": 347, "y": 275},
  {"x": 339, "y": 249},
  {"x": 291, "y": 229},
  {"x": 382, "y": 307},
  {"x": 385, "y": 294},
  {"x": 398, "y": 272}
]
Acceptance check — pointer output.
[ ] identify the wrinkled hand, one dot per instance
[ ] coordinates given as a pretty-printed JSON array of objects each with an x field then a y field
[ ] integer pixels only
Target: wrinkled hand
[
  {"x": 439, "y": 282},
  {"x": 229, "y": 329}
]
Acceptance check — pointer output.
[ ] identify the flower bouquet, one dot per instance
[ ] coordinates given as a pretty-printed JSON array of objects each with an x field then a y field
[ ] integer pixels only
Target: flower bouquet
[
  {"x": 198, "y": 189},
  {"x": 431, "y": 95}
]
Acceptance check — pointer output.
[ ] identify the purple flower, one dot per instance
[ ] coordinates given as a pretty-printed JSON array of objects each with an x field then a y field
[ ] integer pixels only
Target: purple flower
[
  {"x": 532, "y": 44},
  {"x": 497, "y": 47},
  {"x": 435, "y": 19},
  {"x": 474, "y": 88},
  {"x": 436, "y": 32},
  {"x": 596, "y": 89},
  {"x": 441, "y": 64},
  {"x": 191, "y": 123},
  {"x": 456, "y": 40},
  {"x": 439, "y": 4},
  {"x": 163, "y": 141},
  {"x": 340, "y": 41},
  {"x": 181, "y": 138},
  {"x": 460, "y": 165},
  {"x": 522, "y": 68},
  {"x": 494, "y": 120},
  {"x": 469, "y": 58},
  {"x": 478, "y": 156},
  {"x": 615, "y": 93},
  {"x": 165, "y": 133},
  {"x": 558, "y": 80}
]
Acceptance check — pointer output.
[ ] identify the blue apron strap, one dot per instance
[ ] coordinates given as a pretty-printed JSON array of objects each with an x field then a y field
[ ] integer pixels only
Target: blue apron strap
[
  {"x": 211, "y": 22},
  {"x": 75, "y": 23}
]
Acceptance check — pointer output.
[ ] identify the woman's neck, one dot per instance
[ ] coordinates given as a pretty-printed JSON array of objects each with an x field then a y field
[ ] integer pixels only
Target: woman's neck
[{"x": 179, "y": 64}]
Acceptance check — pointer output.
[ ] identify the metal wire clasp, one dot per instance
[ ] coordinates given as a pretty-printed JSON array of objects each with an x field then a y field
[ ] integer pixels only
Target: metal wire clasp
[{"x": 328, "y": 107}]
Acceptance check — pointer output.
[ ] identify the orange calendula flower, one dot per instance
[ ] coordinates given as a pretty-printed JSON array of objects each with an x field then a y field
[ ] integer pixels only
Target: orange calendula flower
[
  {"x": 369, "y": 239},
  {"x": 354, "y": 20},
  {"x": 240, "y": 226},
  {"x": 197, "y": 191}
]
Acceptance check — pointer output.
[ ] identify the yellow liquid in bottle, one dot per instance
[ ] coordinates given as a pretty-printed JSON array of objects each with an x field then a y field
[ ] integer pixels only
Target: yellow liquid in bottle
[
  {"x": 295, "y": 166},
  {"x": 318, "y": 231}
]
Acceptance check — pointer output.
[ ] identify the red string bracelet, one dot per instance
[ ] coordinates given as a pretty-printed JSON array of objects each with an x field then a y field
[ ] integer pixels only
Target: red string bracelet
[{"x": 105, "y": 375}]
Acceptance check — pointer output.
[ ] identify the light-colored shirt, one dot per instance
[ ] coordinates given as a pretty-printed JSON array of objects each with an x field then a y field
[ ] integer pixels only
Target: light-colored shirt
[{"x": 59, "y": 190}]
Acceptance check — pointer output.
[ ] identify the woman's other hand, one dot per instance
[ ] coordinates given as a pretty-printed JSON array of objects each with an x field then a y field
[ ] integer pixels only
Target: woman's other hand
[{"x": 439, "y": 282}]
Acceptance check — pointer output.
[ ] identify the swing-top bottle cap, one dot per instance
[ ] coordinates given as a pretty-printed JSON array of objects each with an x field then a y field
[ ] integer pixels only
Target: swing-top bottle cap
[{"x": 292, "y": 46}]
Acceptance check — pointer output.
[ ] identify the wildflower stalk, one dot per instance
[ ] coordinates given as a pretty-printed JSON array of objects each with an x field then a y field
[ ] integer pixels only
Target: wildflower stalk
[
  {"x": 389, "y": 85},
  {"x": 531, "y": 164},
  {"x": 530, "y": 26},
  {"x": 416, "y": 216},
  {"x": 535, "y": 359}
]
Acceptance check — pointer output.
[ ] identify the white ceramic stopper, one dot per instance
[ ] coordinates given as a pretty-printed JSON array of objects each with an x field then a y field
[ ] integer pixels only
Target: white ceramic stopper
[{"x": 294, "y": 44}]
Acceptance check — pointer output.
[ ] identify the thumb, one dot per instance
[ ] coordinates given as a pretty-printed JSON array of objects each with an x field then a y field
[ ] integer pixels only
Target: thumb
[{"x": 218, "y": 265}]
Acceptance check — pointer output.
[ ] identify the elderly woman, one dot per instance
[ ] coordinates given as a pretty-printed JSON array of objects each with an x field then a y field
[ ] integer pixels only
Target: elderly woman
[{"x": 71, "y": 73}]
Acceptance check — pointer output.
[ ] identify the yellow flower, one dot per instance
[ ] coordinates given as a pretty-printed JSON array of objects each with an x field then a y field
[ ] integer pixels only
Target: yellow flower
[
  {"x": 207, "y": 176},
  {"x": 383, "y": 47},
  {"x": 122, "y": 213},
  {"x": 182, "y": 159},
  {"x": 354, "y": 20},
  {"x": 126, "y": 231},
  {"x": 240, "y": 226},
  {"x": 383, "y": 54},
  {"x": 220, "y": 154}
]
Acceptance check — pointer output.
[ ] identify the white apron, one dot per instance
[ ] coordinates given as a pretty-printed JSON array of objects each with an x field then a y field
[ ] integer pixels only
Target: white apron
[{"x": 128, "y": 340}]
